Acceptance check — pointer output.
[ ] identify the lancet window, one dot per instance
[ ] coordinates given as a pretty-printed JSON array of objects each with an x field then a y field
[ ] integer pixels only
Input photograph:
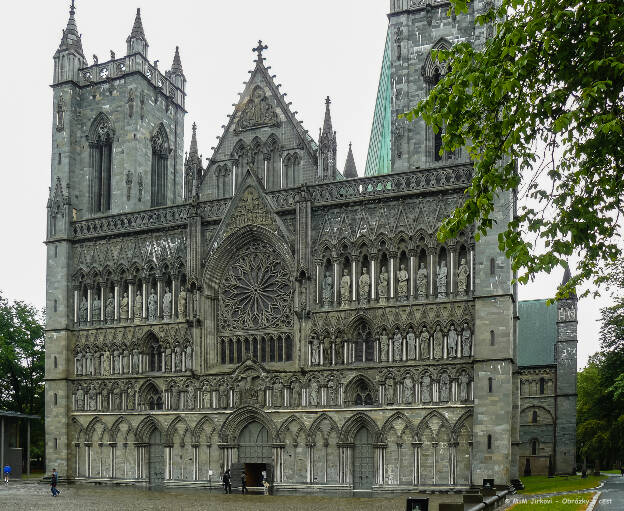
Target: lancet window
[
  {"x": 101, "y": 137},
  {"x": 160, "y": 159}
]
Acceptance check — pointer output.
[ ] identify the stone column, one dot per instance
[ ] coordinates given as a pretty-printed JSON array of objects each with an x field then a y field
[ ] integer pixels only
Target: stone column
[
  {"x": 159, "y": 294},
  {"x": 451, "y": 271},
  {"x": 174, "y": 297},
  {"x": 130, "y": 300},
  {"x": 76, "y": 304},
  {"x": 89, "y": 304},
  {"x": 354, "y": 278},
  {"x": 102, "y": 306},
  {"x": 435, "y": 459},
  {"x": 431, "y": 273},
  {"x": 144, "y": 301},
  {"x": 116, "y": 302},
  {"x": 336, "y": 282},
  {"x": 391, "y": 274},
  {"x": 471, "y": 262},
  {"x": 318, "y": 282},
  {"x": 373, "y": 277},
  {"x": 412, "y": 274},
  {"x": 417, "y": 446}
]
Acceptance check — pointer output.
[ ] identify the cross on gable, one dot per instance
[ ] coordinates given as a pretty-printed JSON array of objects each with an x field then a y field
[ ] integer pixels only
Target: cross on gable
[{"x": 259, "y": 49}]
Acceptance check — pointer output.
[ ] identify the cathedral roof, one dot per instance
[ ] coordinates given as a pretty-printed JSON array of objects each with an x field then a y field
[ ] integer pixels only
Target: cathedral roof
[
  {"x": 71, "y": 39},
  {"x": 350, "y": 171}
]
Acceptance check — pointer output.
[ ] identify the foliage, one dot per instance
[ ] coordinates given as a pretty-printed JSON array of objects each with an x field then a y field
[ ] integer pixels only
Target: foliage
[
  {"x": 534, "y": 485},
  {"x": 540, "y": 109},
  {"x": 22, "y": 360}
]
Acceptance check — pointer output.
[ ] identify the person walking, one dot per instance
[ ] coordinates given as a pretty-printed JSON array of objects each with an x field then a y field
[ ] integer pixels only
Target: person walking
[
  {"x": 6, "y": 472},
  {"x": 243, "y": 484},
  {"x": 53, "y": 483},
  {"x": 227, "y": 481}
]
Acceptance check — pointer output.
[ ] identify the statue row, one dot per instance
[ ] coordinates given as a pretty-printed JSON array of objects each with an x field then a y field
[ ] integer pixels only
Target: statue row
[
  {"x": 398, "y": 348},
  {"x": 108, "y": 363},
  {"x": 402, "y": 291},
  {"x": 108, "y": 314}
]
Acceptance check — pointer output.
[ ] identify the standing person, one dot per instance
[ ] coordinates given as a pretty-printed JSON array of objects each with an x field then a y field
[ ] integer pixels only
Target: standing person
[
  {"x": 53, "y": 483},
  {"x": 7, "y": 472},
  {"x": 243, "y": 483},
  {"x": 227, "y": 481}
]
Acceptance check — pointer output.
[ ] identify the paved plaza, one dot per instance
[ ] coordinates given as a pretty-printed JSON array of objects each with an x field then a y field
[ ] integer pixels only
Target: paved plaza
[{"x": 20, "y": 496}]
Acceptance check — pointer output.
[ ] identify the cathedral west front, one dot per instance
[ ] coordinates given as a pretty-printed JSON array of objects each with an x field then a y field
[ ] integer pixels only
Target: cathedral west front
[{"x": 265, "y": 311}]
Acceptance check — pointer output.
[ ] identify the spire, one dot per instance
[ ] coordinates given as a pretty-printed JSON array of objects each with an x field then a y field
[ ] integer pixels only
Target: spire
[
  {"x": 136, "y": 41},
  {"x": 193, "y": 152},
  {"x": 71, "y": 38},
  {"x": 567, "y": 275},
  {"x": 327, "y": 123},
  {"x": 350, "y": 171},
  {"x": 176, "y": 67}
]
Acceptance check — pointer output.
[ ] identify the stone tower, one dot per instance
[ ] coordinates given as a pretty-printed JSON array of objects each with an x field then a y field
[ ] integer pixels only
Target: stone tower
[
  {"x": 117, "y": 146},
  {"x": 565, "y": 404},
  {"x": 415, "y": 29}
]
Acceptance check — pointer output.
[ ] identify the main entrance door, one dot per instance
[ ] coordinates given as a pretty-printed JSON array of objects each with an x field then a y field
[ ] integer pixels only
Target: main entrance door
[
  {"x": 255, "y": 453},
  {"x": 363, "y": 459},
  {"x": 156, "y": 459}
]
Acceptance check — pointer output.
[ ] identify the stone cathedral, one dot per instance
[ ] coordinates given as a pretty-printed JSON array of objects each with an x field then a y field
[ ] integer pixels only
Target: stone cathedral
[{"x": 262, "y": 310}]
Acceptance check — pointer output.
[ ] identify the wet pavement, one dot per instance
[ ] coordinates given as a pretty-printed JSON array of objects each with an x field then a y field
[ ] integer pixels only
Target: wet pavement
[
  {"x": 79, "y": 497},
  {"x": 612, "y": 496}
]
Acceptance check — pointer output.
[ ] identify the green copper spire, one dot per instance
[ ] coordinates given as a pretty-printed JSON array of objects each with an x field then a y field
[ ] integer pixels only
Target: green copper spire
[{"x": 379, "y": 158}]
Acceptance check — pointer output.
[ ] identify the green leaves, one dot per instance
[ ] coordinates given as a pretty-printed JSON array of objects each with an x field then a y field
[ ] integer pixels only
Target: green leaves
[{"x": 540, "y": 108}]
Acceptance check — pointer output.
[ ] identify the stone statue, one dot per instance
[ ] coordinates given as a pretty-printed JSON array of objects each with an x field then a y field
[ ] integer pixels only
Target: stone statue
[
  {"x": 135, "y": 361},
  {"x": 382, "y": 285},
  {"x": 364, "y": 283},
  {"x": 441, "y": 280},
  {"x": 138, "y": 307},
  {"x": 338, "y": 351},
  {"x": 403, "y": 278},
  {"x": 345, "y": 288},
  {"x": 126, "y": 362},
  {"x": 195, "y": 304},
  {"x": 452, "y": 342},
  {"x": 97, "y": 364},
  {"x": 190, "y": 398},
  {"x": 89, "y": 363},
  {"x": 444, "y": 387},
  {"x": 316, "y": 351},
  {"x": 116, "y": 362},
  {"x": 314, "y": 393},
  {"x": 123, "y": 307},
  {"x": 223, "y": 399},
  {"x": 463, "y": 387},
  {"x": 78, "y": 364},
  {"x": 110, "y": 310},
  {"x": 389, "y": 391},
  {"x": 466, "y": 342},
  {"x": 168, "y": 353},
  {"x": 296, "y": 394},
  {"x": 328, "y": 289},
  {"x": 178, "y": 359},
  {"x": 92, "y": 400},
  {"x": 116, "y": 400},
  {"x": 383, "y": 343},
  {"x": 332, "y": 393},
  {"x": 130, "y": 399},
  {"x": 421, "y": 282},
  {"x": 425, "y": 389},
  {"x": 96, "y": 311},
  {"x": 167, "y": 304},
  {"x": 462, "y": 278},
  {"x": 152, "y": 305},
  {"x": 411, "y": 345},
  {"x": 80, "y": 399},
  {"x": 424, "y": 345},
  {"x": 408, "y": 390},
  {"x": 327, "y": 355},
  {"x": 189, "y": 357},
  {"x": 106, "y": 363},
  {"x": 84, "y": 310},
  {"x": 182, "y": 304},
  {"x": 397, "y": 346},
  {"x": 438, "y": 343}
]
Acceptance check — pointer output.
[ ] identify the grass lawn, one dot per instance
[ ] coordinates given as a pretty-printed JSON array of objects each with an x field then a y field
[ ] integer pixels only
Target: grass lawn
[
  {"x": 615, "y": 471},
  {"x": 545, "y": 484},
  {"x": 573, "y": 502}
]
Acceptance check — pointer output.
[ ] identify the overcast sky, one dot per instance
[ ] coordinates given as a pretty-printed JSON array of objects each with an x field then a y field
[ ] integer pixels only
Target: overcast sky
[{"x": 316, "y": 49}]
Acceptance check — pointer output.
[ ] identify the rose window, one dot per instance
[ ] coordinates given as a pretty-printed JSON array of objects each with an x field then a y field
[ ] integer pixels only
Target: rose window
[{"x": 256, "y": 291}]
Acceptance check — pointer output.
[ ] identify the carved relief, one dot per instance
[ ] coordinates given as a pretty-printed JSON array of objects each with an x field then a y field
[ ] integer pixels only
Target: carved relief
[{"x": 257, "y": 112}]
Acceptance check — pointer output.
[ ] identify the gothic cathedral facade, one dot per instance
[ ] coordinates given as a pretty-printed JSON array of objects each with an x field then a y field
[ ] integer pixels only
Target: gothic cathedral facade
[{"x": 262, "y": 310}]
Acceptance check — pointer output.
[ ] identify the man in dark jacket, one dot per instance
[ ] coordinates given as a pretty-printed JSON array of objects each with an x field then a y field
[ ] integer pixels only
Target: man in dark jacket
[{"x": 227, "y": 481}]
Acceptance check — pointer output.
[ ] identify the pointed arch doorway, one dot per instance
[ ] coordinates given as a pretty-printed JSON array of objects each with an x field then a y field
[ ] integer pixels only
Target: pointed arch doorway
[
  {"x": 363, "y": 459},
  {"x": 255, "y": 454},
  {"x": 156, "y": 459}
]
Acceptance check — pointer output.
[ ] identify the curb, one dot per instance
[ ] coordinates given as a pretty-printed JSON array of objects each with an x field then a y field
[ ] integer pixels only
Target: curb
[{"x": 593, "y": 503}]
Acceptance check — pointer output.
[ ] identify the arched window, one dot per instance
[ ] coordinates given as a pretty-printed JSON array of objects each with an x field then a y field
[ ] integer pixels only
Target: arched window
[
  {"x": 155, "y": 357},
  {"x": 492, "y": 338},
  {"x": 55, "y": 399},
  {"x": 490, "y": 384},
  {"x": 437, "y": 137},
  {"x": 101, "y": 137},
  {"x": 492, "y": 266},
  {"x": 534, "y": 447},
  {"x": 160, "y": 159},
  {"x": 534, "y": 417},
  {"x": 542, "y": 385},
  {"x": 55, "y": 362},
  {"x": 489, "y": 442}
]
